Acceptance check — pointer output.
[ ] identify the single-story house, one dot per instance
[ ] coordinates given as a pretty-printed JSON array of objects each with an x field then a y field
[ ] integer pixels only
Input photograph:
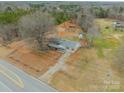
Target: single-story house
[{"x": 64, "y": 45}]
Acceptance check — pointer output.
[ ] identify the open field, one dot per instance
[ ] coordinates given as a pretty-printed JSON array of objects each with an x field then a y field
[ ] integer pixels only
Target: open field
[
  {"x": 106, "y": 26},
  {"x": 87, "y": 73},
  {"x": 91, "y": 69}
]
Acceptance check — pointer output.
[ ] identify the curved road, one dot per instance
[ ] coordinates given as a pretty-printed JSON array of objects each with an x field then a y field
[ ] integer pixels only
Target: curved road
[{"x": 14, "y": 79}]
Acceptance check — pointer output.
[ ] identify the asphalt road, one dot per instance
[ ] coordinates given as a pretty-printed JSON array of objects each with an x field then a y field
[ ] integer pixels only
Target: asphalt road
[{"x": 16, "y": 80}]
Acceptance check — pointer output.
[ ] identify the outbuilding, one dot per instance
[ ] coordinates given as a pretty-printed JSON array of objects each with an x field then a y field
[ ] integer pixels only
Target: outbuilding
[{"x": 118, "y": 25}]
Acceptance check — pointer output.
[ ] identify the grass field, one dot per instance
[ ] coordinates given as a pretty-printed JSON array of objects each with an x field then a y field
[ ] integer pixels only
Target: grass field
[{"x": 110, "y": 38}]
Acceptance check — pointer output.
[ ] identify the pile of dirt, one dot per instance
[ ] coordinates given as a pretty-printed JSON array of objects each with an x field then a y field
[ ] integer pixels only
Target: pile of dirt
[
  {"x": 68, "y": 24},
  {"x": 68, "y": 29}
]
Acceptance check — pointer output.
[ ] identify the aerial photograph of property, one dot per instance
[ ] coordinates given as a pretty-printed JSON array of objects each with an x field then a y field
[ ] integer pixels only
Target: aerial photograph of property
[{"x": 61, "y": 46}]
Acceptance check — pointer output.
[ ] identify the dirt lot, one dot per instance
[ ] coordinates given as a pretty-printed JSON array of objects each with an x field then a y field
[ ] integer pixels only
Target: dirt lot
[
  {"x": 68, "y": 30},
  {"x": 29, "y": 60}
]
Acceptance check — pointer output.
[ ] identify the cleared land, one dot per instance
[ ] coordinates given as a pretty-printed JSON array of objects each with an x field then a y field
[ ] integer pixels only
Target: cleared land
[
  {"x": 68, "y": 30},
  {"x": 34, "y": 63}
]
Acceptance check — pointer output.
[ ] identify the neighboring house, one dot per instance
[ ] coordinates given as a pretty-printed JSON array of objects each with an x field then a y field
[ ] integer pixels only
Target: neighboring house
[
  {"x": 118, "y": 25},
  {"x": 64, "y": 45}
]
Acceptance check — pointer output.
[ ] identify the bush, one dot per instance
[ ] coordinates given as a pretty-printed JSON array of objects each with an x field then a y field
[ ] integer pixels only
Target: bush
[{"x": 8, "y": 32}]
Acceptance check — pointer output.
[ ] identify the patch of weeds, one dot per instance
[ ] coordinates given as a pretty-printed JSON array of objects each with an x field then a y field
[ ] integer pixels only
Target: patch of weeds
[
  {"x": 100, "y": 53},
  {"x": 108, "y": 43},
  {"x": 105, "y": 43},
  {"x": 107, "y": 31}
]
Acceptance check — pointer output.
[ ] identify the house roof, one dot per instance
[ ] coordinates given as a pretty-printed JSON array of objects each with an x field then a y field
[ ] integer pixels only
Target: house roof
[
  {"x": 65, "y": 43},
  {"x": 69, "y": 44}
]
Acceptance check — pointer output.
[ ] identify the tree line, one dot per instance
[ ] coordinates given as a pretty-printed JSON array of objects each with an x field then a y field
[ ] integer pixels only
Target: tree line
[
  {"x": 116, "y": 12},
  {"x": 39, "y": 23}
]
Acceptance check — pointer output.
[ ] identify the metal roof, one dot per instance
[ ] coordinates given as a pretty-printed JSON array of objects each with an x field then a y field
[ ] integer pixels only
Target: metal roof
[
  {"x": 65, "y": 43},
  {"x": 69, "y": 44}
]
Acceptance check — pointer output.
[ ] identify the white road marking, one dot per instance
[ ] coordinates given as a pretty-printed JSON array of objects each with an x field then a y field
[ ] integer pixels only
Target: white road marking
[
  {"x": 3, "y": 87},
  {"x": 29, "y": 84},
  {"x": 12, "y": 76}
]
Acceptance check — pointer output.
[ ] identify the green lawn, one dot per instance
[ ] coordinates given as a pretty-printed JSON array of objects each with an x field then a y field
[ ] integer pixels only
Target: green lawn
[{"x": 105, "y": 43}]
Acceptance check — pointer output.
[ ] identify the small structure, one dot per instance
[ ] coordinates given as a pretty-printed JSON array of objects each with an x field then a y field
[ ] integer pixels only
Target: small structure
[
  {"x": 118, "y": 25},
  {"x": 64, "y": 45},
  {"x": 80, "y": 36}
]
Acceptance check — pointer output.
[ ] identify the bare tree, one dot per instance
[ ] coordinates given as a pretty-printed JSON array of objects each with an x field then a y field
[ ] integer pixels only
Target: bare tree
[
  {"x": 37, "y": 25},
  {"x": 9, "y": 32},
  {"x": 86, "y": 22},
  {"x": 93, "y": 32},
  {"x": 116, "y": 12}
]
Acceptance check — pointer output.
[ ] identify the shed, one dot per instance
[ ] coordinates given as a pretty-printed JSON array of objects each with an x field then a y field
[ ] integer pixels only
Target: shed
[{"x": 118, "y": 24}]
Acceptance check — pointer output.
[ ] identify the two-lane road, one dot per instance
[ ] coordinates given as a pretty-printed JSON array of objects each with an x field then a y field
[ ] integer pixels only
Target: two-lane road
[{"x": 14, "y": 79}]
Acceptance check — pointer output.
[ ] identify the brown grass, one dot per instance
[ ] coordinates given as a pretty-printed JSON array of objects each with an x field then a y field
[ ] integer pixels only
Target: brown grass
[{"x": 86, "y": 72}]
